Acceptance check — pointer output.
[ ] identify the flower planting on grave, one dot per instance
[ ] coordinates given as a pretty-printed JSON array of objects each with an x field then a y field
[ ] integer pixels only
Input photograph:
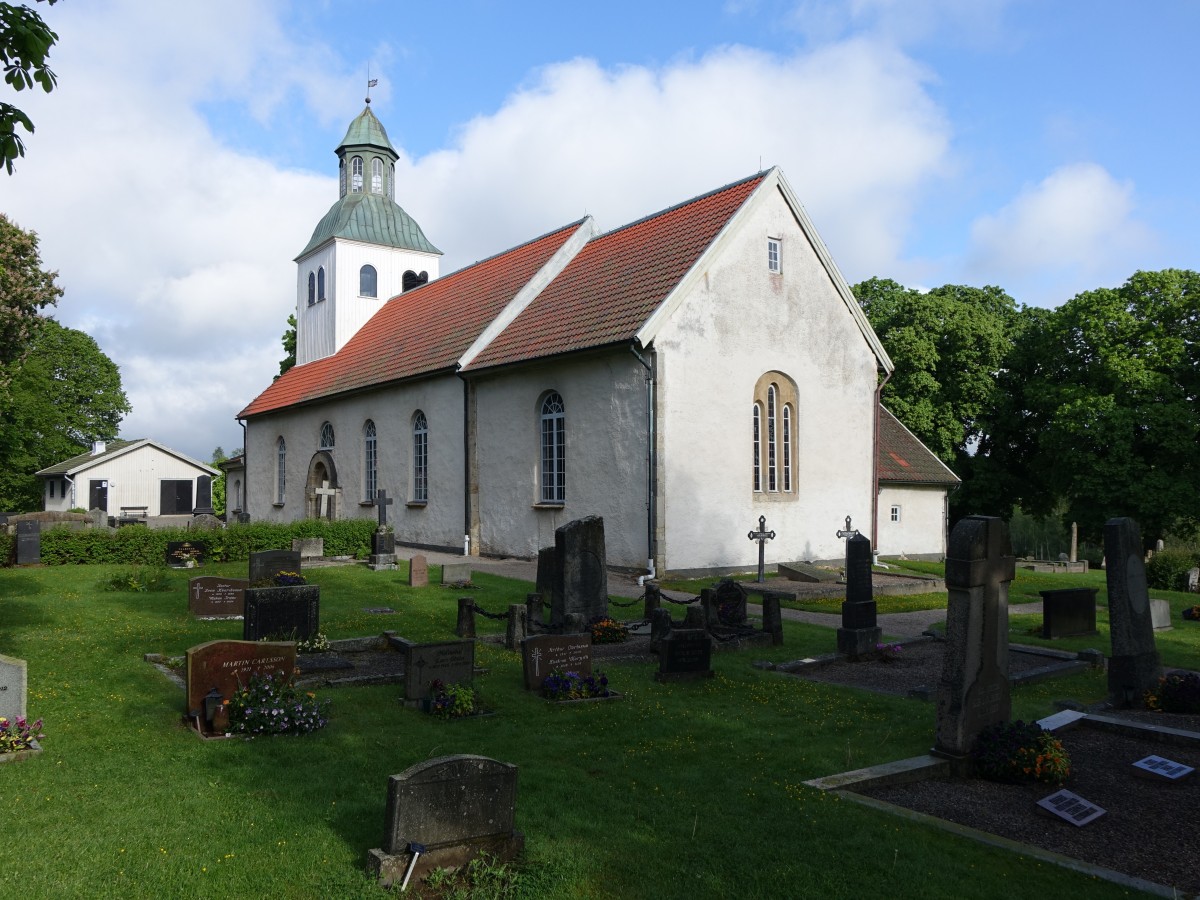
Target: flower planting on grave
[
  {"x": 1192, "y": 613},
  {"x": 318, "y": 643},
  {"x": 573, "y": 686},
  {"x": 17, "y": 734},
  {"x": 606, "y": 630},
  {"x": 889, "y": 652},
  {"x": 453, "y": 701},
  {"x": 1018, "y": 752},
  {"x": 283, "y": 579},
  {"x": 1175, "y": 692},
  {"x": 269, "y": 705}
]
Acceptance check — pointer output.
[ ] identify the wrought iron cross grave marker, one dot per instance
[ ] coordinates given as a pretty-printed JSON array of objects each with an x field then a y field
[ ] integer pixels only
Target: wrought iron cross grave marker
[{"x": 762, "y": 536}]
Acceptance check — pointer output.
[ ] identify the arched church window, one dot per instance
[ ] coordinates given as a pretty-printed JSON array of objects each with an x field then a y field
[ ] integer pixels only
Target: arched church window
[
  {"x": 376, "y": 175},
  {"x": 356, "y": 175},
  {"x": 321, "y": 283},
  {"x": 280, "y": 470},
  {"x": 312, "y": 288},
  {"x": 774, "y": 441},
  {"x": 367, "y": 282},
  {"x": 370, "y": 462},
  {"x": 420, "y": 461},
  {"x": 553, "y": 422},
  {"x": 772, "y": 446},
  {"x": 326, "y": 436},
  {"x": 757, "y": 447}
]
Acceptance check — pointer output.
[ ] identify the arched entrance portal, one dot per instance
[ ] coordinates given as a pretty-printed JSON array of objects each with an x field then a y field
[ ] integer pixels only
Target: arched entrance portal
[{"x": 321, "y": 491}]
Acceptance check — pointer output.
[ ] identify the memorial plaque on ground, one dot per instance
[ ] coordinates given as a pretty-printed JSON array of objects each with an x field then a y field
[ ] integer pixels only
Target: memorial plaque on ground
[
  {"x": 418, "y": 571},
  {"x": 265, "y": 565},
  {"x": 545, "y": 653},
  {"x": 684, "y": 654},
  {"x": 211, "y": 597},
  {"x": 226, "y": 664},
  {"x": 1160, "y": 769},
  {"x": 282, "y": 613},
  {"x": 185, "y": 554},
  {"x": 452, "y": 662},
  {"x": 1070, "y": 808},
  {"x": 29, "y": 543},
  {"x": 456, "y": 573},
  {"x": 13, "y": 674}
]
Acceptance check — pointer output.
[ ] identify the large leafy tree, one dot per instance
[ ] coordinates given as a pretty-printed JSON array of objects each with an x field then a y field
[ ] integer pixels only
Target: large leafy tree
[
  {"x": 25, "y": 43},
  {"x": 289, "y": 346},
  {"x": 65, "y": 394},
  {"x": 25, "y": 289},
  {"x": 948, "y": 345}
]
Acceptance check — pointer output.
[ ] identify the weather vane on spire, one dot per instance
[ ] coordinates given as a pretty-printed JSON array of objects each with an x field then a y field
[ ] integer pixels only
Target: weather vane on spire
[{"x": 371, "y": 82}]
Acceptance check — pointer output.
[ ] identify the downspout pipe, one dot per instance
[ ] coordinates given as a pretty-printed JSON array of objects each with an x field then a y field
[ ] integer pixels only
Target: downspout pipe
[
  {"x": 651, "y": 468},
  {"x": 245, "y": 477},
  {"x": 875, "y": 472},
  {"x": 71, "y": 481}
]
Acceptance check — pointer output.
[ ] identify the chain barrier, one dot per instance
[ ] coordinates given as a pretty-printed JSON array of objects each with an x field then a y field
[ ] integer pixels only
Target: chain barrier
[
  {"x": 681, "y": 602},
  {"x": 641, "y": 599},
  {"x": 483, "y": 612}
]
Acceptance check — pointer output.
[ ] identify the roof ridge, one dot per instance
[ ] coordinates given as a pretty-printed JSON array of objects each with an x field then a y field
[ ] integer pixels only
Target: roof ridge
[
  {"x": 662, "y": 212},
  {"x": 514, "y": 247}
]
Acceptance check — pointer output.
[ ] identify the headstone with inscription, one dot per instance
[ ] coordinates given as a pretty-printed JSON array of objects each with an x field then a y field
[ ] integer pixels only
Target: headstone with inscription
[
  {"x": 1193, "y": 580},
  {"x": 13, "y": 687},
  {"x": 1160, "y": 615},
  {"x": 29, "y": 543},
  {"x": 456, "y": 573},
  {"x": 266, "y": 564},
  {"x": 443, "y": 813},
  {"x": 580, "y": 576},
  {"x": 451, "y": 662},
  {"x": 212, "y": 597},
  {"x": 1134, "y": 664},
  {"x": 546, "y": 653},
  {"x": 224, "y": 665},
  {"x": 291, "y": 613},
  {"x": 418, "y": 571},
  {"x": 860, "y": 633},
  {"x": 1068, "y": 612},
  {"x": 309, "y": 547},
  {"x": 974, "y": 690},
  {"x": 685, "y": 654},
  {"x": 383, "y": 551},
  {"x": 185, "y": 554}
]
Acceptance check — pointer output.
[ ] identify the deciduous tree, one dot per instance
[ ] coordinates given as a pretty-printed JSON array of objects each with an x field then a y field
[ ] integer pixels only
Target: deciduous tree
[
  {"x": 25, "y": 42},
  {"x": 25, "y": 289}
]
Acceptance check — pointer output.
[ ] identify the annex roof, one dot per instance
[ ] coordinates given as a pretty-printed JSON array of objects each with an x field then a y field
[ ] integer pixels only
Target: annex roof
[
  {"x": 419, "y": 332},
  {"x": 112, "y": 450},
  {"x": 904, "y": 459}
]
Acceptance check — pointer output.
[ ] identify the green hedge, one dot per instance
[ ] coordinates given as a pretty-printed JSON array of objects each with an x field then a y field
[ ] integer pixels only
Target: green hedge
[
  {"x": 138, "y": 545},
  {"x": 8, "y": 548},
  {"x": 1167, "y": 569}
]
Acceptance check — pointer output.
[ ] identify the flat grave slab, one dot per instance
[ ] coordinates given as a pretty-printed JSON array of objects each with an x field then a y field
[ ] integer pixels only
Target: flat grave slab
[
  {"x": 1159, "y": 769},
  {"x": 1070, "y": 808}
]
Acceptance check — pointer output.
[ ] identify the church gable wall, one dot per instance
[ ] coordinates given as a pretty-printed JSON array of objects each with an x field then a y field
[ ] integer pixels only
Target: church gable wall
[{"x": 737, "y": 323}]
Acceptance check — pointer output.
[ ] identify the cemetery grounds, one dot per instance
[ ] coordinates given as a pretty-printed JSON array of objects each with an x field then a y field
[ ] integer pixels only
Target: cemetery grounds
[{"x": 681, "y": 790}]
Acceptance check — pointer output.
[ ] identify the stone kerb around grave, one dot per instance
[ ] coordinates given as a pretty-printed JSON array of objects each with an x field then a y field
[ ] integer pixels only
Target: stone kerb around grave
[
  {"x": 455, "y": 807},
  {"x": 974, "y": 690}
]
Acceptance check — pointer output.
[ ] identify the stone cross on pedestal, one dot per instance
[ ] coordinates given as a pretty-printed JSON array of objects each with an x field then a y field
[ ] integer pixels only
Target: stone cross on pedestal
[
  {"x": 324, "y": 492},
  {"x": 762, "y": 536},
  {"x": 382, "y": 502}
]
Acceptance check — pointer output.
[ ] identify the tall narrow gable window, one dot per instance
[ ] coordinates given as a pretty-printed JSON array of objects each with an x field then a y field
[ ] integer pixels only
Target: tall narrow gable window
[
  {"x": 785, "y": 446},
  {"x": 376, "y": 175},
  {"x": 554, "y": 449},
  {"x": 370, "y": 462},
  {"x": 312, "y": 288},
  {"x": 757, "y": 447},
  {"x": 772, "y": 446},
  {"x": 367, "y": 281},
  {"x": 280, "y": 470},
  {"x": 321, "y": 283},
  {"x": 774, "y": 256},
  {"x": 774, "y": 438},
  {"x": 420, "y": 460},
  {"x": 356, "y": 175}
]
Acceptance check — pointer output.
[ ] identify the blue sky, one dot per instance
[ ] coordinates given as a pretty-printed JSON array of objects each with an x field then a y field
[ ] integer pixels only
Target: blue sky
[{"x": 1048, "y": 148}]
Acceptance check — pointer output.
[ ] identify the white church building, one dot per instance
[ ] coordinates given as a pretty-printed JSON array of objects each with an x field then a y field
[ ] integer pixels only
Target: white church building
[{"x": 681, "y": 376}]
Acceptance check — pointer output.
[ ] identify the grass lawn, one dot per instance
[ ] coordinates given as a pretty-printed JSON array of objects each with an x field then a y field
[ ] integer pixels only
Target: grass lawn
[{"x": 677, "y": 791}]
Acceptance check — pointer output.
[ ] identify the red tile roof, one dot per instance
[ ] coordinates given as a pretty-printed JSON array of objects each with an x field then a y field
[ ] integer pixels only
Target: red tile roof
[
  {"x": 903, "y": 458},
  {"x": 424, "y": 330},
  {"x": 609, "y": 290}
]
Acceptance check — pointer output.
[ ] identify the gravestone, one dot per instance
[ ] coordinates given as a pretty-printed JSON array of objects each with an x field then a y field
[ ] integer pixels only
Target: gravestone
[
  {"x": 204, "y": 522},
  {"x": 29, "y": 543},
  {"x": 773, "y": 616},
  {"x": 185, "y": 554},
  {"x": 660, "y": 627},
  {"x": 453, "y": 808},
  {"x": 546, "y": 653},
  {"x": 291, "y": 613},
  {"x": 1160, "y": 615},
  {"x": 518, "y": 626},
  {"x": 579, "y": 577},
  {"x": 533, "y": 610},
  {"x": 309, "y": 547},
  {"x": 859, "y": 634},
  {"x": 465, "y": 626},
  {"x": 451, "y": 662},
  {"x": 383, "y": 550},
  {"x": 204, "y": 505},
  {"x": 265, "y": 565},
  {"x": 1133, "y": 665},
  {"x": 730, "y": 598},
  {"x": 1068, "y": 612},
  {"x": 974, "y": 691},
  {"x": 13, "y": 687},
  {"x": 456, "y": 573},
  {"x": 685, "y": 654},
  {"x": 224, "y": 665},
  {"x": 544, "y": 583},
  {"x": 418, "y": 571},
  {"x": 212, "y": 597}
]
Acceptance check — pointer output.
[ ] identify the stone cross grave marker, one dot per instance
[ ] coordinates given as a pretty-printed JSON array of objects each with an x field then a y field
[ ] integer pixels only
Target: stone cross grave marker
[
  {"x": 545, "y": 653},
  {"x": 224, "y": 665},
  {"x": 382, "y": 502},
  {"x": 580, "y": 576},
  {"x": 860, "y": 632},
  {"x": 451, "y": 662},
  {"x": 762, "y": 536},
  {"x": 212, "y": 597},
  {"x": 265, "y": 565},
  {"x": 443, "y": 813},
  {"x": 418, "y": 571},
  {"x": 13, "y": 687},
  {"x": 1134, "y": 665},
  {"x": 974, "y": 691},
  {"x": 685, "y": 654},
  {"x": 324, "y": 493}
]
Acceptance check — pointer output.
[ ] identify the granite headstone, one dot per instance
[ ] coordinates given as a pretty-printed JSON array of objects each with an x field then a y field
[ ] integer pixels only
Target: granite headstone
[
  {"x": 580, "y": 576},
  {"x": 1134, "y": 665},
  {"x": 212, "y": 597},
  {"x": 546, "y": 653},
  {"x": 266, "y": 564},
  {"x": 685, "y": 654},
  {"x": 451, "y": 662},
  {"x": 13, "y": 687}
]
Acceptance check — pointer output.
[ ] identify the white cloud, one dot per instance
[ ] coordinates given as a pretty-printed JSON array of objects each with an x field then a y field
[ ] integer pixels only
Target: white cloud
[
  {"x": 977, "y": 23},
  {"x": 1074, "y": 230}
]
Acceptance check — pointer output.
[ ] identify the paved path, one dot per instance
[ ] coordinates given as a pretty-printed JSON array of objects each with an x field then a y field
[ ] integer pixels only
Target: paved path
[{"x": 620, "y": 584}]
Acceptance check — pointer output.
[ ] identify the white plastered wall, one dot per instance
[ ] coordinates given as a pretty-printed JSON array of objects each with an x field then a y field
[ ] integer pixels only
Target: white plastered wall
[
  {"x": 735, "y": 323},
  {"x": 921, "y": 530},
  {"x": 134, "y": 479}
]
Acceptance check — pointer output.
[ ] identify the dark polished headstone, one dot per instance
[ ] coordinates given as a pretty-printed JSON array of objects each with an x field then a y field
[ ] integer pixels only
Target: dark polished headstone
[
  {"x": 773, "y": 616},
  {"x": 265, "y": 565},
  {"x": 224, "y": 665},
  {"x": 29, "y": 544},
  {"x": 685, "y": 654},
  {"x": 284, "y": 613},
  {"x": 451, "y": 662},
  {"x": 1133, "y": 666},
  {"x": 185, "y": 554},
  {"x": 545, "y": 653},
  {"x": 1068, "y": 612}
]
